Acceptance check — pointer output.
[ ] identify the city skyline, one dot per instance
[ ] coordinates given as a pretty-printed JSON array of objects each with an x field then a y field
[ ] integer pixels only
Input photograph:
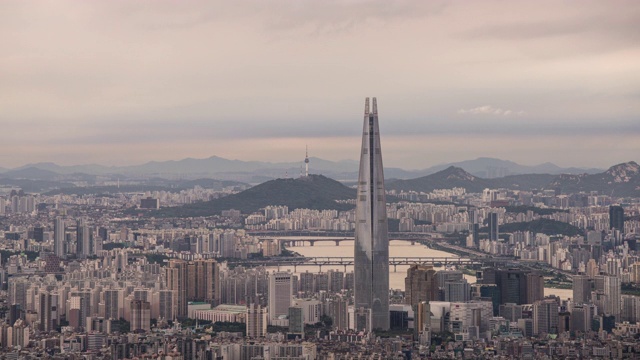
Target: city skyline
[{"x": 121, "y": 83}]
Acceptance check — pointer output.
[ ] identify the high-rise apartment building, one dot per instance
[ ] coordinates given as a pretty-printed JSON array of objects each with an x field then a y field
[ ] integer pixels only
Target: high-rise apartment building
[
  {"x": 59, "y": 237},
  {"x": 611, "y": 287},
  {"x": 111, "y": 301},
  {"x": 205, "y": 279},
  {"x": 176, "y": 277},
  {"x": 84, "y": 246},
  {"x": 167, "y": 300},
  {"x": 140, "y": 315},
  {"x": 256, "y": 324},
  {"x": 48, "y": 311},
  {"x": 371, "y": 248}
]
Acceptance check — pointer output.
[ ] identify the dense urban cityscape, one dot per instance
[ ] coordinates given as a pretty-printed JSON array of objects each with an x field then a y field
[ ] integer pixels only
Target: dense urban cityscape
[
  {"x": 107, "y": 275},
  {"x": 199, "y": 180}
]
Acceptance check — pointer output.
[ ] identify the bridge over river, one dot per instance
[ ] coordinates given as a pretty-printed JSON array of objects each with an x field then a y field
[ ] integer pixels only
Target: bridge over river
[
  {"x": 293, "y": 241},
  {"x": 393, "y": 261}
]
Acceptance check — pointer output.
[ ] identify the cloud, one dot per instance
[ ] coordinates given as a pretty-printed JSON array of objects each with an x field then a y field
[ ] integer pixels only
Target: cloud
[{"x": 490, "y": 110}]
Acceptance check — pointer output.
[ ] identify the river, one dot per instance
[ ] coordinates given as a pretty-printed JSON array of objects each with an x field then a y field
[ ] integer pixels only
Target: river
[{"x": 397, "y": 248}]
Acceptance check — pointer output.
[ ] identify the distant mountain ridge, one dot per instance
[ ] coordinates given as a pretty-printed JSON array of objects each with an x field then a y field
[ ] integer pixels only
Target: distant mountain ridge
[
  {"x": 445, "y": 179},
  {"x": 619, "y": 180},
  {"x": 486, "y": 167},
  {"x": 319, "y": 192},
  {"x": 258, "y": 171}
]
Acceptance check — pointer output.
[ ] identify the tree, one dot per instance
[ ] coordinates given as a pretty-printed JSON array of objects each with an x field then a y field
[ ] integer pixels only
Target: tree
[{"x": 326, "y": 321}]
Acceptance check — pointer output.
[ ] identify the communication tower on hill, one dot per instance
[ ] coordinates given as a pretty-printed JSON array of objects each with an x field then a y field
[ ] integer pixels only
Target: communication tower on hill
[{"x": 306, "y": 162}]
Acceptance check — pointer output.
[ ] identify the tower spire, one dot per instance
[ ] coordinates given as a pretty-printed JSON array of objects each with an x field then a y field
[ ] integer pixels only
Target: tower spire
[{"x": 306, "y": 161}]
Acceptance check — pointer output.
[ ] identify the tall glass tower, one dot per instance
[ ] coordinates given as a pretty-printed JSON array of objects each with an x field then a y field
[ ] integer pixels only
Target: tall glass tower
[{"x": 371, "y": 249}]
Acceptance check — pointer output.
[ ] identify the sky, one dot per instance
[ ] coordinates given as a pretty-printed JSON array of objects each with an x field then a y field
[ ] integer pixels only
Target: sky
[{"x": 125, "y": 82}]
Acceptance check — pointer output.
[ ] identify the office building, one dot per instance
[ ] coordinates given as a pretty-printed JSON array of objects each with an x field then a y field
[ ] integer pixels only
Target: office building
[
  {"x": 465, "y": 315},
  {"x": 616, "y": 218},
  {"x": 475, "y": 227},
  {"x": 535, "y": 287},
  {"x": 280, "y": 295},
  {"x": 457, "y": 291},
  {"x": 494, "y": 229},
  {"x": 511, "y": 312},
  {"x": 149, "y": 203},
  {"x": 512, "y": 284},
  {"x": 545, "y": 317},
  {"x": 296, "y": 321},
  {"x": 371, "y": 248},
  {"x": 581, "y": 315},
  {"x": 582, "y": 287},
  {"x": 420, "y": 285}
]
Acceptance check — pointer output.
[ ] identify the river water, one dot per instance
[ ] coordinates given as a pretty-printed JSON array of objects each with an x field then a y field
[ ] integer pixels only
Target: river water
[{"x": 397, "y": 248}]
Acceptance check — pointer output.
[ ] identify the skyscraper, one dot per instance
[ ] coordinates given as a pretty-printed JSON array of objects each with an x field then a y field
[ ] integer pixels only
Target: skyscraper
[
  {"x": 140, "y": 315},
  {"x": 371, "y": 249},
  {"x": 582, "y": 287},
  {"x": 611, "y": 287},
  {"x": 535, "y": 287},
  {"x": 83, "y": 239},
  {"x": 280, "y": 293},
  {"x": 420, "y": 285},
  {"x": 616, "y": 218},
  {"x": 256, "y": 324},
  {"x": 493, "y": 227},
  {"x": 59, "y": 237},
  {"x": 177, "y": 279},
  {"x": 545, "y": 317}
]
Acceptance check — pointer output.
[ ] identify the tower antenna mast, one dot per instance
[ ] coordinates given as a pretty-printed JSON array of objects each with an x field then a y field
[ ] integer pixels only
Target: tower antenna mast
[{"x": 306, "y": 161}]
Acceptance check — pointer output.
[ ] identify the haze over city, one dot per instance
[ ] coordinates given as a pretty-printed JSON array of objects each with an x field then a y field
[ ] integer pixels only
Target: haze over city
[{"x": 122, "y": 83}]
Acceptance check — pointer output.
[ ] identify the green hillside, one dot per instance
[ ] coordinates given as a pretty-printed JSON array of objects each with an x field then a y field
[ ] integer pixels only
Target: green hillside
[{"x": 315, "y": 192}]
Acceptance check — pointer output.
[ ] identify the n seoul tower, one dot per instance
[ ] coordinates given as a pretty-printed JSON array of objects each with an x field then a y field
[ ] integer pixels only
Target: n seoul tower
[{"x": 306, "y": 161}]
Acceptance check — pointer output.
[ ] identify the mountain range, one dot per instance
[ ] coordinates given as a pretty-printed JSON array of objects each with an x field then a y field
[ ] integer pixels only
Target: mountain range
[
  {"x": 319, "y": 192},
  {"x": 619, "y": 180},
  {"x": 257, "y": 171}
]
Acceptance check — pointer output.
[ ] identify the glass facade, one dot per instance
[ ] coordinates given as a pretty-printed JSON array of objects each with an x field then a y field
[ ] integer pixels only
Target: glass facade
[{"x": 371, "y": 249}]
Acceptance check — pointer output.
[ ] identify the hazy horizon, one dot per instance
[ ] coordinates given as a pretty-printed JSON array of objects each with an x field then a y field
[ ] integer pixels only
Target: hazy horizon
[
  {"x": 301, "y": 161},
  {"x": 123, "y": 83}
]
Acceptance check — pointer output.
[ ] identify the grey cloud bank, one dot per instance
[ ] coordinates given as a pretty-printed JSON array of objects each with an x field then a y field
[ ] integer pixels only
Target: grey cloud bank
[{"x": 126, "y": 82}]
